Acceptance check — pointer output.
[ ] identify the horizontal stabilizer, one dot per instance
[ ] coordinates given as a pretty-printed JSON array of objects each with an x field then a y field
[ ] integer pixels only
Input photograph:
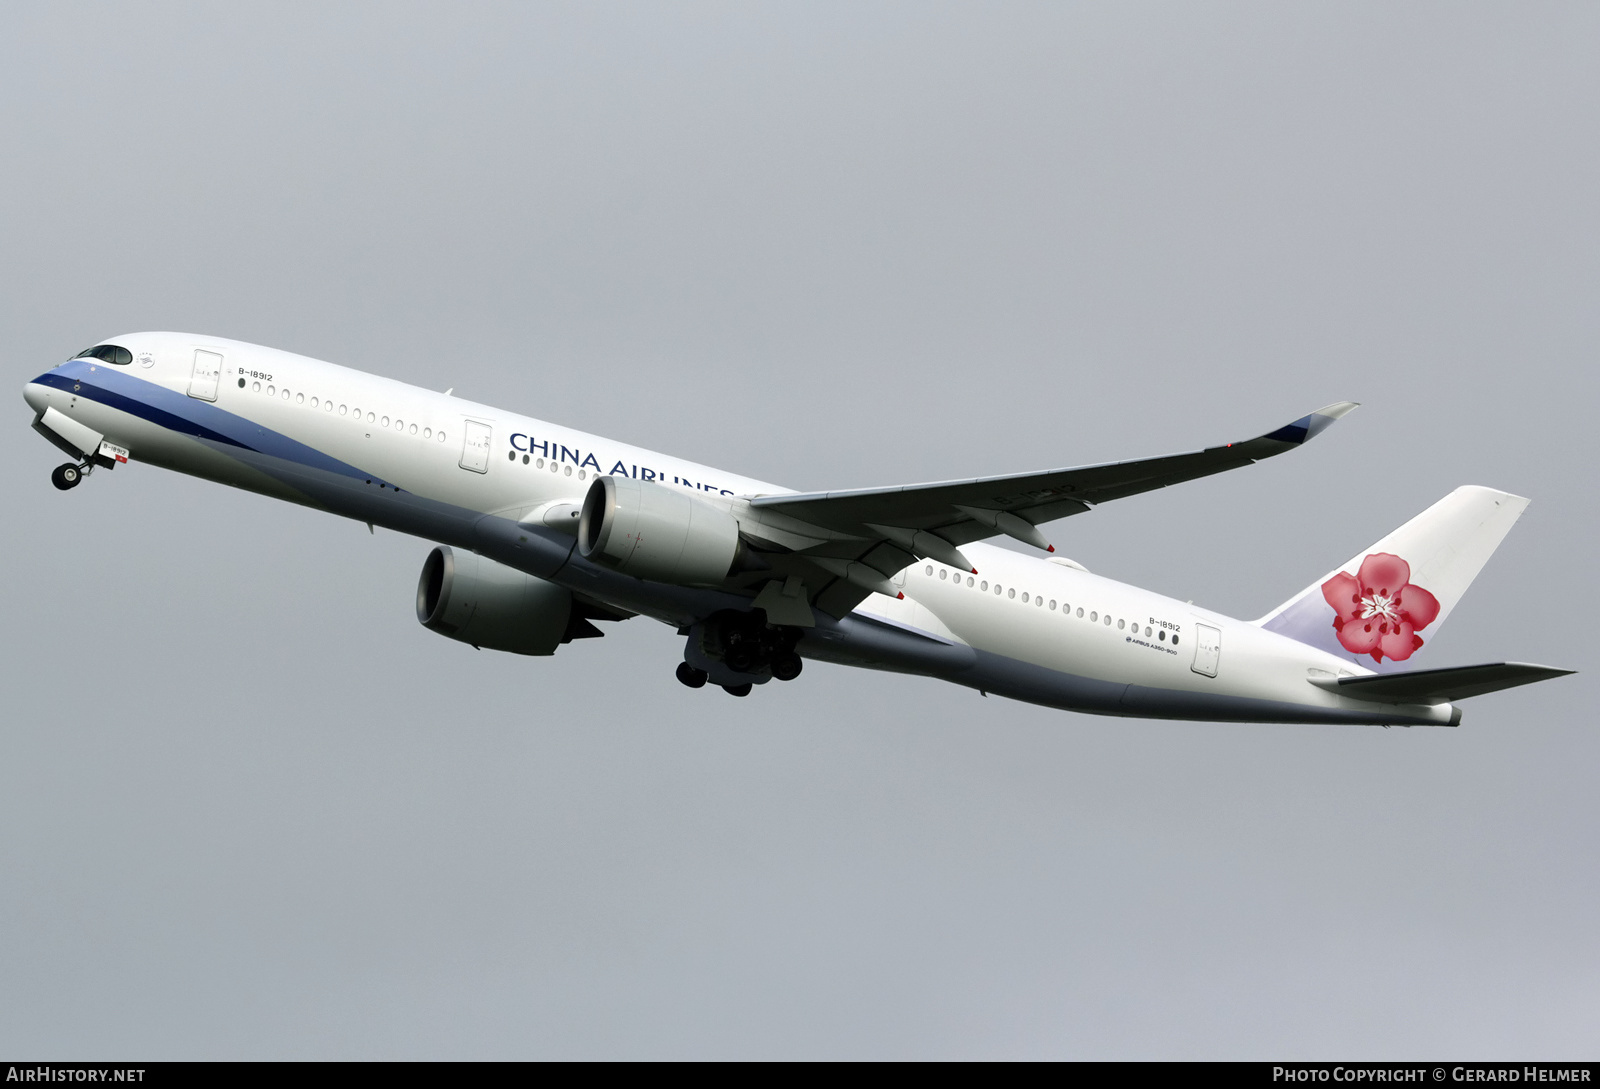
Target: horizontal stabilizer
[{"x": 1440, "y": 685}]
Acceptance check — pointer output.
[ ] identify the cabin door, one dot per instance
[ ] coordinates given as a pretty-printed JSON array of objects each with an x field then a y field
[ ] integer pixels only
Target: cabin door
[
  {"x": 475, "y": 447},
  {"x": 1207, "y": 649},
  {"x": 207, "y": 371}
]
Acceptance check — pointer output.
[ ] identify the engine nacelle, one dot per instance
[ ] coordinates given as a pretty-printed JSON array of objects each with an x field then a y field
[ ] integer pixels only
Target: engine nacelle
[
  {"x": 655, "y": 532},
  {"x": 466, "y": 597}
]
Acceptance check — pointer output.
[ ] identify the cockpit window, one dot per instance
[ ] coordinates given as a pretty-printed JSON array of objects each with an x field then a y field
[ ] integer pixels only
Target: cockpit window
[{"x": 110, "y": 353}]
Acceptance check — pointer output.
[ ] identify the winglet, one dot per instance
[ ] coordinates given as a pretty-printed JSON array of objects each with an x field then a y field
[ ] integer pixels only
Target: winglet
[
  {"x": 1322, "y": 418},
  {"x": 1309, "y": 427}
]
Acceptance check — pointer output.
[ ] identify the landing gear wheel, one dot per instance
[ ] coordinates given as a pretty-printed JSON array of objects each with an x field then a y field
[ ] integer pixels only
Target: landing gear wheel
[
  {"x": 690, "y": 676},
  {"x": 786, "y": 667},
  {"x": 737, "y": 689},
  {"x": 66, "y": 477}
]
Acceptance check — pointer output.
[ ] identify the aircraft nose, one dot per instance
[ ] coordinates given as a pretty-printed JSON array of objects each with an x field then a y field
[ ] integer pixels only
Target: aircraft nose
[{"x": 34, "y": 394}]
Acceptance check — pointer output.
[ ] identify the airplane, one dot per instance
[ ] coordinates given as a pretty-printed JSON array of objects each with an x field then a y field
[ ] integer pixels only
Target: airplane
[{"x": 543, "y": 531}]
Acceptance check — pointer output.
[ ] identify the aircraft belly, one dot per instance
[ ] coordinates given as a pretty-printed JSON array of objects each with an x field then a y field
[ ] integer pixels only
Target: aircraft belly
[{"x": 1030, "y": 683}]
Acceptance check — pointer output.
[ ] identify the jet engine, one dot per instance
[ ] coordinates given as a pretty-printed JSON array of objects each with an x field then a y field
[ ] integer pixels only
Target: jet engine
[
  {"x": 466, "y": 597},
  {"x": 655, "y": 532}
]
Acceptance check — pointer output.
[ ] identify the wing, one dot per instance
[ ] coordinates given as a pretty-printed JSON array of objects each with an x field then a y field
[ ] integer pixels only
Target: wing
[{"x": 868, "y": 535}]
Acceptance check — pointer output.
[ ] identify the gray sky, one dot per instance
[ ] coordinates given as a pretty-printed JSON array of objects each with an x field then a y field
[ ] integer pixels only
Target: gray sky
[{"x": 250, "y": 808}]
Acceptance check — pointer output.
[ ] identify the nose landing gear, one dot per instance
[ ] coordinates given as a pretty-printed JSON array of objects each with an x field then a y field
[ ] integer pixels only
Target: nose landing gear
[{"x": 66, "y": 477}]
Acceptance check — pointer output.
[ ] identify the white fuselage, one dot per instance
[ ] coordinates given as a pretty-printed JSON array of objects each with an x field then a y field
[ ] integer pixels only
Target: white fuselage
[{"x": 476, "y": 476}]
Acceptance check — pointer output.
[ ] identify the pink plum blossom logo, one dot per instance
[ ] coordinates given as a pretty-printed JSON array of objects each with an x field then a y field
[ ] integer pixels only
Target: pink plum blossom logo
[{"x": 1379, "y": 610}]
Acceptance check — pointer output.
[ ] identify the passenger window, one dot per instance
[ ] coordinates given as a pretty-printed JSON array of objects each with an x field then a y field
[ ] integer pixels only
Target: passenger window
[
  {"x": 1121, "y": 624},
  {"x": 943, "y": 574},
  {"x": 1024, "y": 597},
  {"x": 1094, "y": 618},
  {"x": 929, "y": 569}
]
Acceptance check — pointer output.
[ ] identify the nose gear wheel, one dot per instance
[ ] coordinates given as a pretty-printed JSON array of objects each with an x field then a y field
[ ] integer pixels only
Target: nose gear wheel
[{"x": 66, "y": 477}]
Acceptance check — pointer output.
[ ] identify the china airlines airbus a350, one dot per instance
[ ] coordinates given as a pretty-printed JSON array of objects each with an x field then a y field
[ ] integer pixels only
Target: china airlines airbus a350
[{"x": 543, "y": 530}]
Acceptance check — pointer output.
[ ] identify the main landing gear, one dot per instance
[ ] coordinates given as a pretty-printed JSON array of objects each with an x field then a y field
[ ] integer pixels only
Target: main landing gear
[
  {"x": 691, "y": 677},
  {"x": 68, "y": 476},
  {"x": 729, "y": 646}
]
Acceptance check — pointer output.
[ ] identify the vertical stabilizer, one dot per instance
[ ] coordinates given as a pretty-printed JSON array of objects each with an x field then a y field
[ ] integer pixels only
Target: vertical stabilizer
[{"x": 1384, "y": 604}]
